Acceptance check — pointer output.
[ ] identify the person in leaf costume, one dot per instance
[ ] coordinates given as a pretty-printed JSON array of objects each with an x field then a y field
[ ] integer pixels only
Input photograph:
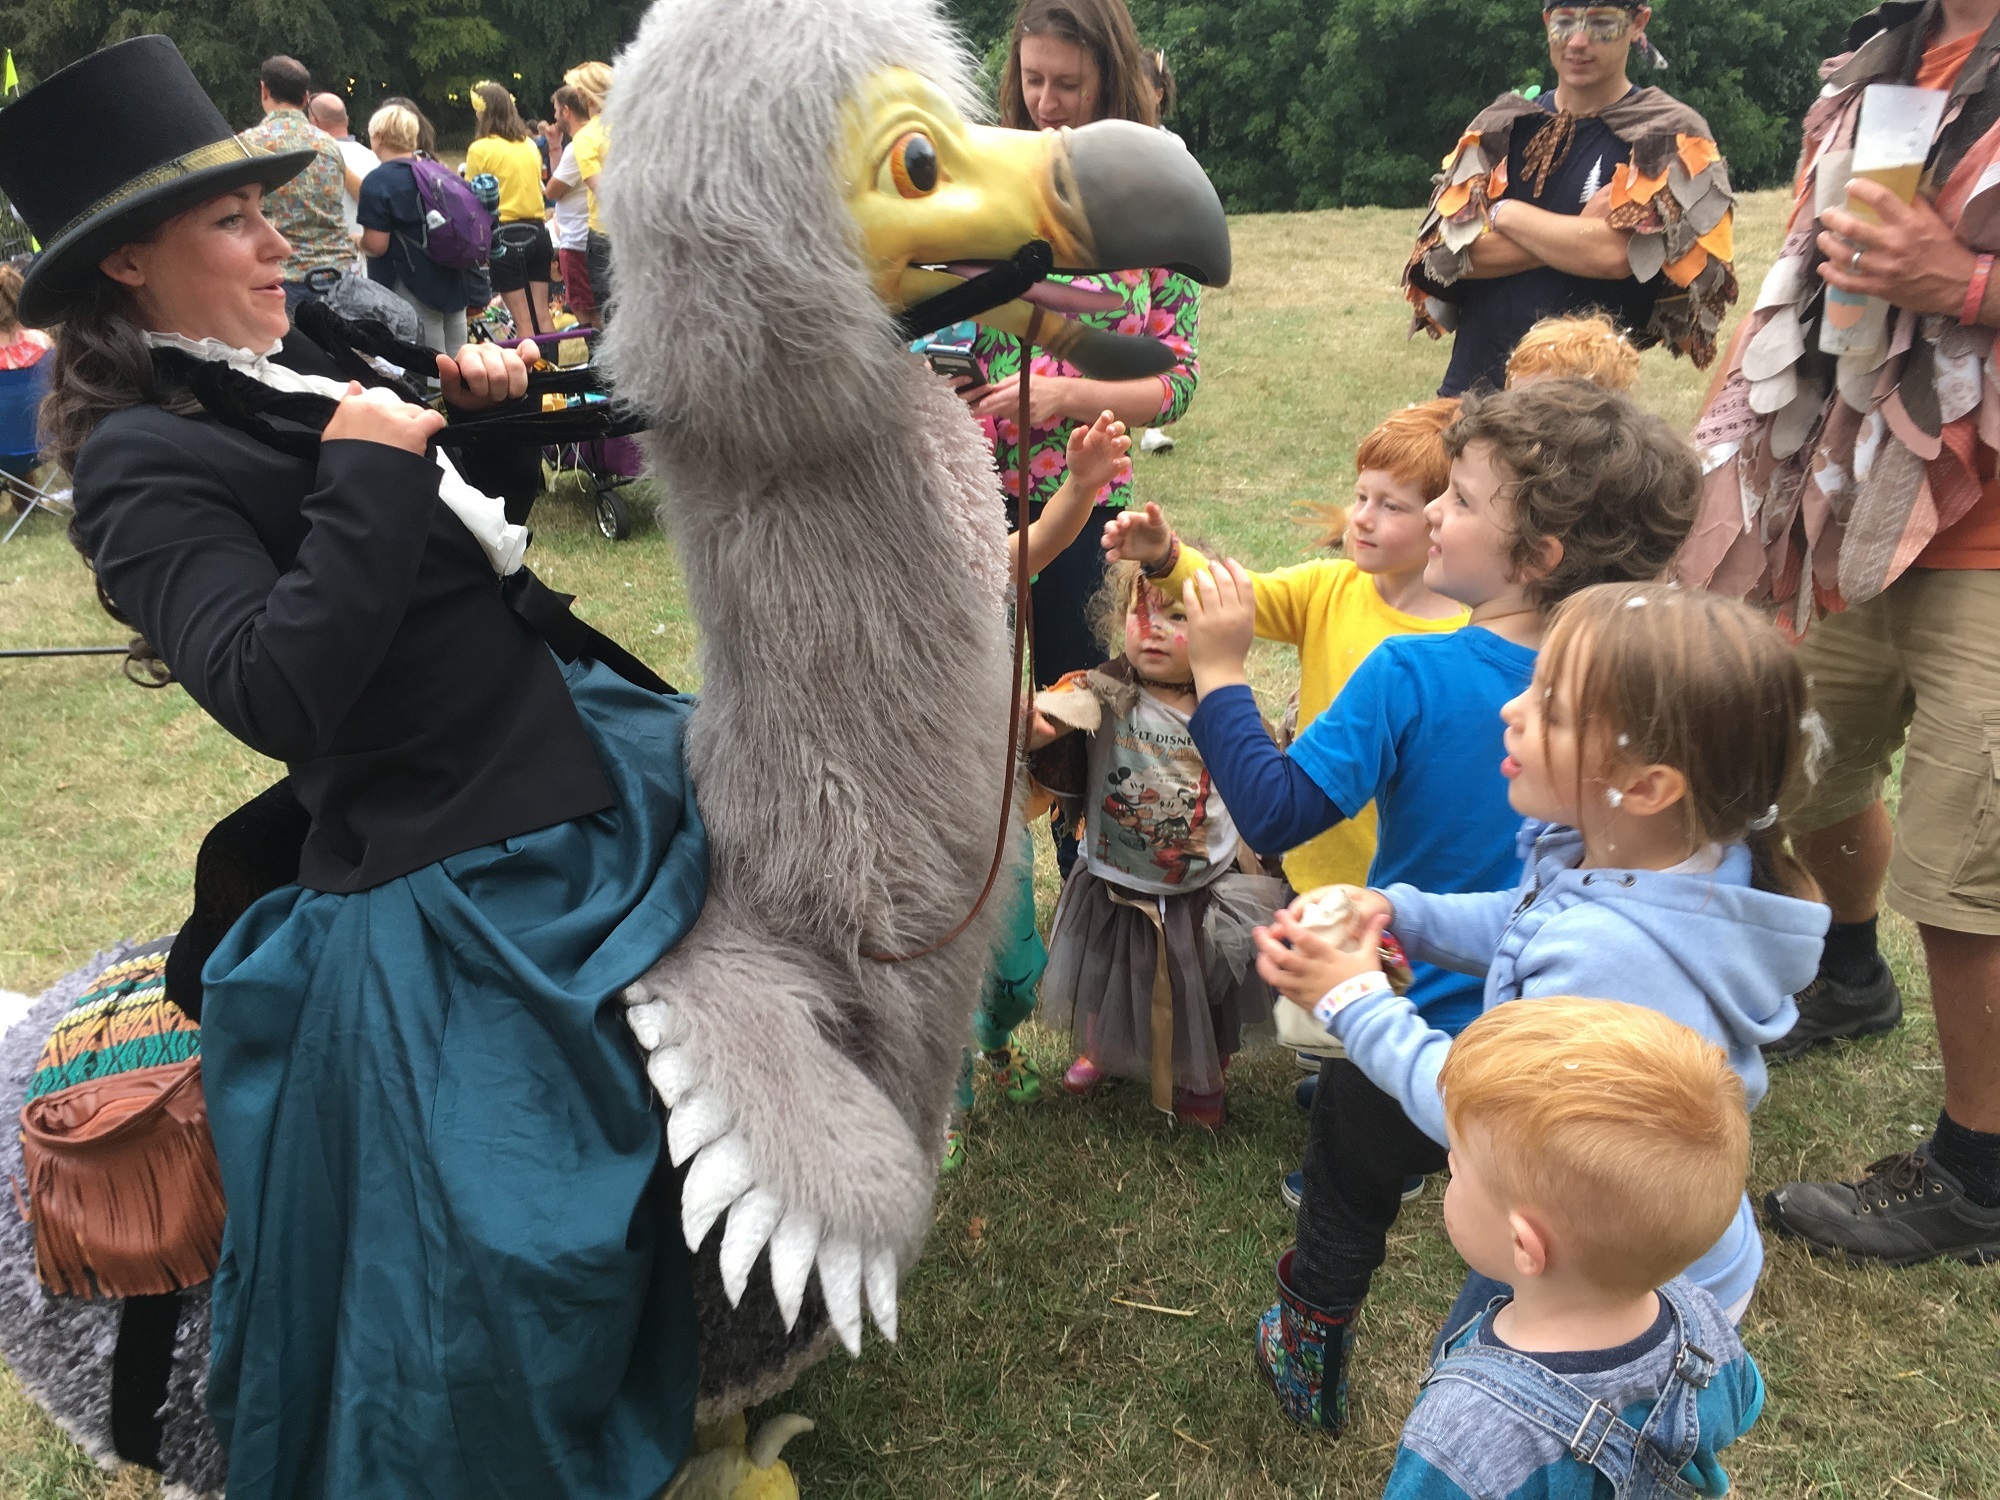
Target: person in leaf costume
[{"x": 1597, "y": 194}]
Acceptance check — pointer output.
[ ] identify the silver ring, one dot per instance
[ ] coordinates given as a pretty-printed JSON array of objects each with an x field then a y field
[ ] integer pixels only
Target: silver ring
[{"x": 1854, "y": 261}]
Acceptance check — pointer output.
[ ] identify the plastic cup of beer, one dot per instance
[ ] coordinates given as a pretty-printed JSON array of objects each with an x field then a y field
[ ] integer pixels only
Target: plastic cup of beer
[{"x": 1891, "y": 141}]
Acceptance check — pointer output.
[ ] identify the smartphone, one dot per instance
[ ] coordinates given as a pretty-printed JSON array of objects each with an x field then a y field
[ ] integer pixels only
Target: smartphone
[{"x": 955, "y": 362}]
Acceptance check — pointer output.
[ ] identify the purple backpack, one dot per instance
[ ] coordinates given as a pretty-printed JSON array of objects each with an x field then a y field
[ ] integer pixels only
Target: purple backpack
[{"x": 458, "y": 231}]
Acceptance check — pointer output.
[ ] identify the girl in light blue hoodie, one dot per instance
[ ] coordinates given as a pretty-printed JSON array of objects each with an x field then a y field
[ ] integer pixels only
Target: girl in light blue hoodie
[{"x": 1649, "y": 756}]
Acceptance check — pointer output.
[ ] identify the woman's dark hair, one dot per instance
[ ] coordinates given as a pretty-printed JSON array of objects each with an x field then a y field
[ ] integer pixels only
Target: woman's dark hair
[
  {"x": 427, "y": 136},
  {"x": 1162, "y": 75},
  {"x": 101, "y": 365},
  {"x": 497, "y": 115},
  {"x": 1103, "y": 28}
]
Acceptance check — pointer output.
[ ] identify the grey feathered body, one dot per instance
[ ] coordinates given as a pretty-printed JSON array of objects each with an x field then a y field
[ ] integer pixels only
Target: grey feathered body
[{"x": 841, "y": 533}]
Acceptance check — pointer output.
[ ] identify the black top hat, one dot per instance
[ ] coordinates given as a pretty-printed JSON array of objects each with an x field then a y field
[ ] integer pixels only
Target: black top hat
[{"x": 109, "y": 148}]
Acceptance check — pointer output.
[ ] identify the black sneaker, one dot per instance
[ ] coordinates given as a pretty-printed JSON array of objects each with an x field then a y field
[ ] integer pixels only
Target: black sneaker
[
  {"x": 1907, "y": 1210},
  {"x": 1833, "y": 1010}
]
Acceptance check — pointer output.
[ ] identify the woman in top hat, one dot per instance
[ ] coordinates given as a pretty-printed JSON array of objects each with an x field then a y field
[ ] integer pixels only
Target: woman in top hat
[{"x": 451, "y": 1265}]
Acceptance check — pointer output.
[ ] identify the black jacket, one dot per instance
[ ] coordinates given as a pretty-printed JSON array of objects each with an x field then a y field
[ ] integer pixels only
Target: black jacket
[{"x": 335, "y": 615}]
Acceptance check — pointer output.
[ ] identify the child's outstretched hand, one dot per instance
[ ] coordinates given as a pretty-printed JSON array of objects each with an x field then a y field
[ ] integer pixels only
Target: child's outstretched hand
[
  {"x": 1221, "y": 624},
  {"x": 1139, "y": 535},
  {"x": 1096, "y": 453},
  {"x": 1302, "y": 965}
]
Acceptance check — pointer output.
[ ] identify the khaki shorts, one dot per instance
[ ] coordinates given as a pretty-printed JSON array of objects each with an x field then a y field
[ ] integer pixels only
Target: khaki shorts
[{"x": 1918, "y": 669}]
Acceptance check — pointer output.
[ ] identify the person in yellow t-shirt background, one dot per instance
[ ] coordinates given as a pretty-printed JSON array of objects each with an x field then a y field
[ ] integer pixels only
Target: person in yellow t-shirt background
[
  {"x": 1336, "y": 610},
  {"x": 592, "y": 145},
  {"x": 522, "y": 251}
]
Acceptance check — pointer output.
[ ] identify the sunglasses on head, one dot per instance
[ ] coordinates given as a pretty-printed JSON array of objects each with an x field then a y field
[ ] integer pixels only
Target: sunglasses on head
[{"x": 1597, "y": 23}]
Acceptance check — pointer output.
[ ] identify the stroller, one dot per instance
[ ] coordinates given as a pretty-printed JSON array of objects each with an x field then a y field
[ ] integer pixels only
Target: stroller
[{"x": 602, "y": 454}]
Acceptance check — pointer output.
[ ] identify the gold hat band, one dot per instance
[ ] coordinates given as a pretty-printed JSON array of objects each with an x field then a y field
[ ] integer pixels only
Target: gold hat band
[{"x": 215, "y": 154}]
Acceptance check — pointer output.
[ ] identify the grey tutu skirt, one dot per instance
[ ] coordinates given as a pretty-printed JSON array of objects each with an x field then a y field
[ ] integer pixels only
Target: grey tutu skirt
[{"x": 1129, "y": 970}]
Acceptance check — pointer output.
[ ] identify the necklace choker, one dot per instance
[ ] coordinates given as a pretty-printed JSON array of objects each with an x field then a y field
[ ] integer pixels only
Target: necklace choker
[{"x": 1186, "y": 689}]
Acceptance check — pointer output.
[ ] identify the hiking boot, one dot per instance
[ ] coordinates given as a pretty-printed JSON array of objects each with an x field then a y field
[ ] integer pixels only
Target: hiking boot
[
  {"x": 1303, "y": 1351},
  {"x": 1019, "y": 1080},
  {"x": 1833, "y": 1010},
  {"x": 1907, "y": 1210}
]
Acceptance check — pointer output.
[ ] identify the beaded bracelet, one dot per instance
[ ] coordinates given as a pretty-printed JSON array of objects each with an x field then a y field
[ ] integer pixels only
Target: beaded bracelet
[
  {"x": 1344, "y": 994},
  {"x": 1975, "y": 291},
  {"x": 1168, "y": 563}
]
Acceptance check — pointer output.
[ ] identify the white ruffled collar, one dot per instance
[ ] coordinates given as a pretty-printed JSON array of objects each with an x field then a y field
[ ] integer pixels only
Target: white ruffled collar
[
  {"x": 257, "y": 366},
  {"x": 484, "y": 515}
]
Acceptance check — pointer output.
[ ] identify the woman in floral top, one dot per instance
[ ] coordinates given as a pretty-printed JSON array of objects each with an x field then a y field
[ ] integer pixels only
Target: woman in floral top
[{"x": 1074, "y": 62}]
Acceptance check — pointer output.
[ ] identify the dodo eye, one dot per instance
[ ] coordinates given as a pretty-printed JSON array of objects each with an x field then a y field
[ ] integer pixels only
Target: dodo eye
[{"x": 913, "y": 166}]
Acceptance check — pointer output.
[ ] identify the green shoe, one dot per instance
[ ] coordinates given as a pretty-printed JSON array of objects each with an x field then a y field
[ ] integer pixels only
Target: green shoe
[
  {"x": 954, "y": 1152},
  {"x": 1019, "y": 1080}
]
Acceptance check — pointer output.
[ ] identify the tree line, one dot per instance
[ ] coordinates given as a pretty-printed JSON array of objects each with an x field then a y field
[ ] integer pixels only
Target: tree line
[{"x": 1288, "y": 103}]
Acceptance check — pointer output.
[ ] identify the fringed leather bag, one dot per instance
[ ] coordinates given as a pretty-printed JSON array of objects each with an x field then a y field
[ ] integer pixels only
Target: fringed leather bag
[{"x": 123, "y": 1187}]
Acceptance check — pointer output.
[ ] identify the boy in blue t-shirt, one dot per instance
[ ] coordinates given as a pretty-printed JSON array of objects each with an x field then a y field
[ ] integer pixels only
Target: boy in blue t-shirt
[
  {"x": 1597, "y": 1149},
  {"x": 1554, "y": 487}
]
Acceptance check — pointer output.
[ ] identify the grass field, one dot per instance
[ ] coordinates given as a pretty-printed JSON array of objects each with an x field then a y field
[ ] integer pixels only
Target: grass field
[{"x": 1023, "y": 1370}]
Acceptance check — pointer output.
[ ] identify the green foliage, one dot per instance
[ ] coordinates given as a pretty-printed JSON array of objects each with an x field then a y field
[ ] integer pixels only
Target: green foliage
[
  {"x": 430, "y": 50},
  {"x": 1329, "y": 103}
]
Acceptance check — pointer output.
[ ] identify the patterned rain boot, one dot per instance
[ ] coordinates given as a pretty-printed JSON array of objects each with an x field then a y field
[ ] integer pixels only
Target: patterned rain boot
[
  {"x": 1019, "y": 1080},
  {"x": 954, "y": 1151},
  {"x": 1303, "y": 1351}
]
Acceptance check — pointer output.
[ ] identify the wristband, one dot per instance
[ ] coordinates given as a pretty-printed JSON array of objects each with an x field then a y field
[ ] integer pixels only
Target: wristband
[
  {"x": 1975, "y": 292},
  {"x": 1344, "y": 994},
  {"x": 1168, "y": 563}
]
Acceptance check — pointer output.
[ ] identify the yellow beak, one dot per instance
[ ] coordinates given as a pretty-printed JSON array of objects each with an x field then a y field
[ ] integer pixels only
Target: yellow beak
[{"x": 936, "y": 198}]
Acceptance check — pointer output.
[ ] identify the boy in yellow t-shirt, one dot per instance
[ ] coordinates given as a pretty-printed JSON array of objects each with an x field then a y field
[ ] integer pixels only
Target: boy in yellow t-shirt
[{"x": 1337, "y": 610}]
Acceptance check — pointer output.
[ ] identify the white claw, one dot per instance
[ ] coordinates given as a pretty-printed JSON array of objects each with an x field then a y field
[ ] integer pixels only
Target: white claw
[
  {"x": 693, "y": 1123},
  {"x": 792, "y": 1246},
  {"x": 648, "y": 1023},
  {"x": 840, "y": 1285},
  {"x": 672, "y": 1072},
  {"x": 750, "y": 1223},
  {"x": 716, "y": 1180},
  {"x": 882, "y": 1292}
]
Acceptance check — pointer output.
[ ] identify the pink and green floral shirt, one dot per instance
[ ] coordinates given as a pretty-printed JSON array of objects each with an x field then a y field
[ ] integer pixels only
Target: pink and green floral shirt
[{"x": 1160, "y": 303}]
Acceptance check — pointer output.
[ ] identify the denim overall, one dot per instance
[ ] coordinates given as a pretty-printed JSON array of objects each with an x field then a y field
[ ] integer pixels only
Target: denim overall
[{"x": 1643, "y": 1463}]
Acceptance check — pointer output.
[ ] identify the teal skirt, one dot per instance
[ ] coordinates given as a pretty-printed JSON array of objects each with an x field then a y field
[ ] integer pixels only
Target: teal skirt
[{"x": 452, "y": 1265}]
